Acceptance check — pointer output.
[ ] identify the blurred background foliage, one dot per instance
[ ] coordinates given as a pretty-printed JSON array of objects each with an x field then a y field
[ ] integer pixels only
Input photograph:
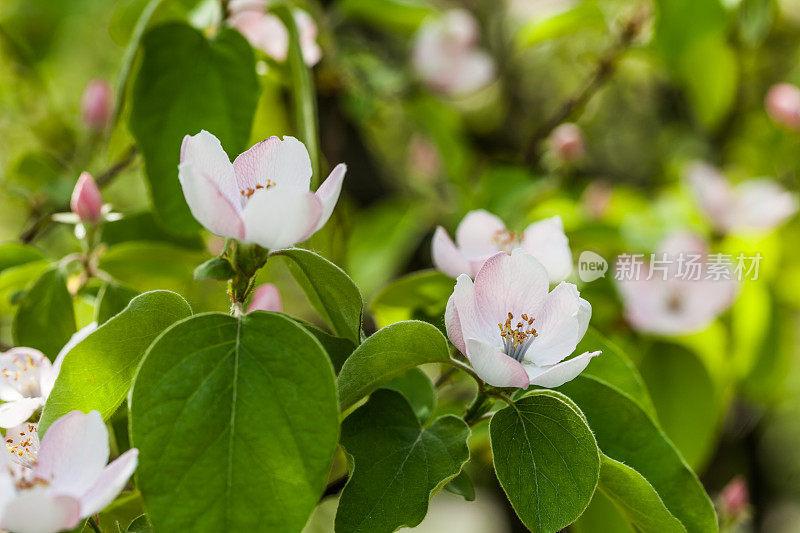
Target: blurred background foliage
[{"x": 651, "y": 85}]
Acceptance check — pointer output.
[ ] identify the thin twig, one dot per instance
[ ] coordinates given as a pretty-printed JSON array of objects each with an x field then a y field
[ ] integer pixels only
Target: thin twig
[{"x": 605, "y": 68}]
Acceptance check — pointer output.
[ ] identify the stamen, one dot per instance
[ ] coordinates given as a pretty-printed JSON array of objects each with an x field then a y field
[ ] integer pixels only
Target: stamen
[
  {"x": 517, "y": 337},
  {"x": 506, "y": 239},
  {"x": 249, "y": 191}
]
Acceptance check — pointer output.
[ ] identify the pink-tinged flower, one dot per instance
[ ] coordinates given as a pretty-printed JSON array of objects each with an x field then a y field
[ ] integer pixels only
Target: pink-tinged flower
[
  {"x": 566, "y": 142},
  {"x": 263, "y": 197},
  {"x": 266, "y": 298},
  {"x": 783, "y": 105},
  {"x": 513, "y": 331},
  {"x": 684, "y": 292},
  {"x": 267, "y": 33},
  {"x": 735, "y": 498},
  {"x": 446, "y": 55},
  {"x": 96, "y": 104},
  {"x": 87, "y": 200},
  {"x": 27, "y": 377},
  {"x": 481, "y": 234},
  {"x": 50, "y": 486},
  {"x": 758, "y": 204}
]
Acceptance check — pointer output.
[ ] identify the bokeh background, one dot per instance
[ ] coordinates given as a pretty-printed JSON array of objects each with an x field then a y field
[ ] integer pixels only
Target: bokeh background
[{"x": 650, "y": 87}]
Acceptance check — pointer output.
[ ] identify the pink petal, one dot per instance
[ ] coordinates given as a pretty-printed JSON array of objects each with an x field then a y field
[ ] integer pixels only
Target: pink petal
[
  {"x": 205, "y": 154},
  {"x": 452, "y": 325},
  {"x": 73, "y": 453},
  {"x": 494, "y": 367},
  {"x": 16, "y": 412},
  {"x": 266, "y": 298},
  {"x": 284, "y": 163},
  {"x": 110, "y": 483},
  {"x": 87, "y": 200},
  {"x": 515, "y": 284},
  {"x": 446, "y": 257},
  {"x": 711, "y": 191},
  {"x": 556, "y": 375},
  {"x": 762, "y": 205},
  {"x": 328, "y": 193},
  {"x": 209, "y": 205},
  {"x": 281, "y": 217},
  {"x": 547, "y": 242},
  {"x": 470, "y": 317},
  {"x": 558, "y": 326},
  {"x": 477, "y": 234},
  {"x": 37, "y": 511}
]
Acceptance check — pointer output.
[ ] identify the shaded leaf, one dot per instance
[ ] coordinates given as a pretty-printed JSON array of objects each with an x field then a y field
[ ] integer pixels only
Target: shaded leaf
[{"x": 45, "y": 318}]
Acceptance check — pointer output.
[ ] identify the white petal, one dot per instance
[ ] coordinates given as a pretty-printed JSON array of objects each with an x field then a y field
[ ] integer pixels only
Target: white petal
[
  {"x": 283, "y": 162},
  {"x": 557, "y": 375},
  {"x": 711, "y": 191},
  {"x": 110, "y": 483},
  {"x": 453, "y": 327},
  {"x": 495, "y": 367},
  {"x": 471, "y": 319},
  {"x": 20, "y": 373},
  {"x": 762, "y": 204},
  {"x": 469, "y": 72},
  {"x": 205, "y": 154},
  {"x": 37, "y": 511},
  {"x": 328, "y": 193},
  {"x": 446, "y": 257},
  {"x": 559, "y": 325},
  {"x": 213, "y": 208},
  {"x": 477, "y": 234},
  {"x": 16, "y": 412},
  {"x": 280, "y": 217},
  {"x": 73, "y": 453},
  {"x": 547, "y": 242}
]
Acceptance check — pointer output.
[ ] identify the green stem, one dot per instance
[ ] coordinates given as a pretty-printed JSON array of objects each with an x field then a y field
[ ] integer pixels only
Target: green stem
[{"x": 479, "y": 407}]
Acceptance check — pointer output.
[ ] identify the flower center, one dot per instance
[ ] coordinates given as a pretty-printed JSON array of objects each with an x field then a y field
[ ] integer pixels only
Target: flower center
[
  {"x": 24, "y": 446},
  {"x": 25, "y": 378},
  {"x": 247, "y": 192},
  {"x": 517, "y": 337},
  {"x": 505, "y": 240},
  {"x": 674, "y": 302}
]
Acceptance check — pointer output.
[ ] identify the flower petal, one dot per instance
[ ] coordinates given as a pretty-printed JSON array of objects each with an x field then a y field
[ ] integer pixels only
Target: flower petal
[
  {"x": 477, "y": 233},
  {"x": 110, "y": 483},
  {"x": 281, "y": 217},
  {"x": 557, "y": 375},
  {"x": 471, "y": 319},
  {"x": 558, "y": 325},
  {"x": 16, "y": 412},
  {"x": 494, "y": 367},
  {"x": 283, "y": 162},
  {"x": 266, "y": 298},
  {"x": 446, "y": 257},
  {"x": 547, "y": 242},
  {"x": 762, "y": 204},
  {"x": 73, "y": 453},
  {"x": 21, "y": 369},
  {"x": 37, "y": 511},
  {"x": 22, "y": 443},
  {"x": 515, "y": 283},
  {"x": 452, "y": 325},
  {"x": 205, "y": 154},
  {"x": 328, "y": 193},
  {"x": 209, "y": 205}
]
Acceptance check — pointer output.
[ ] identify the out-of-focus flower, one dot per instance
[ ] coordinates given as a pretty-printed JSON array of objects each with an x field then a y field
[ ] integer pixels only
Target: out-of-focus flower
[
  {"x": 266, "y": 298},
  {"x": 758, "y": 204},
  {"x": 684, "y": 295},
  {"x": 267, "y": 33},
  {"x": 783, "y": 104},
  {"x": 50, "y": 486},
  {"x": 596, "y": 198},
  {"x": 735, "y": 498},
  {"x": 27, "y": 378},
  {"x": 87, "y": 200},
  {"x": 566, "y": 143},
  {"x": 423, "y": 157},
  {"x": 263, "y": 197},
  {"x": 96, "y": 104},
  {"x": 446, "y": 55},
  {"x": 482, "y": 234},
  {"x": 512, "y": 331}
]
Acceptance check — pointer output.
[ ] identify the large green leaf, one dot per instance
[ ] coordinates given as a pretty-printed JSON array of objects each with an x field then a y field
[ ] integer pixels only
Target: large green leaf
[
  {"x": 236, "y": 422},
  {"x": 416, "y": 387},
  {"x": 45, "y": 318},
  {"x": 546, "y": 459},
  {"x": 582, "y": 16},
  {"x": 626, "y": 432},
  {"x": 423, "y": 293},
  {"x": 97, "y": 373},
  {"x": 398, "y": 464},
  {"x": 389, "y": 352},
  {"x": 112, "y": 299},
  {"x": 14, "y": 279},
  {"x": 332, "y": 293},
  {"x": 402, "y": 16},
  {"x": 14, "y": 254},
  {"x": 187, "y": 83},
  {"x": 636, "y": 499}
]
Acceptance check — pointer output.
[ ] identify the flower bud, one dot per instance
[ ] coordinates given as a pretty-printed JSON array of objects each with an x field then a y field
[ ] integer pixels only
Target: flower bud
[
  {"x": 96, "y": 104},
  {"x": 87, "y": 200},
  {"x": 566, "y": 142},
  {"x": 735, "y": 497},
  {"x": 266, "y": 298},
  {"x": 783, "y": 105}
]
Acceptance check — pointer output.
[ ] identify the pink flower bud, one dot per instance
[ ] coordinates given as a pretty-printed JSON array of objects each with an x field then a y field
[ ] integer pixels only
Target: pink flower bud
[
  {"x": 96, "y": 104},
  {"x": 87, "y": 200},
  {"x": 735, "y": 497},
  {"x": 266, "y": 298},
  {"x": 783, "y": 105},
  {"x": 566, "y": 142}
]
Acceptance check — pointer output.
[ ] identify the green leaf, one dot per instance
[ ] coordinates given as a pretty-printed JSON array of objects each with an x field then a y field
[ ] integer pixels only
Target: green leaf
[
  {"x": 15, "y": 279},
  {"x": 398, "y": 464},
  {"x": 13, "y": 254},
  {"x": 546, "y": 460},
  {"x": 112, "y": 299},
  {"x": 187, "y": 83},
  {"x": 144, "y": 265},
  {"x": 304, "y": 96},
  {"x": 236, "y": 422},
  {"x": 217, "y": 268},
  {"x": 584, "y": 15},
  {"x": 45, "y": 318},
  {"x": 755, "y": 20},
  {"x": 710, "y": 72},
  {"x": 332, "y": 293},
  {"x": 338, "y": 349},
  {"x": 402, "y": 16},
  {"x": 626, "y": 433},
  {"x": 461, "y": 485},
  {"x": 680, "y": 22},
  {"x": 419, "y": 293},
  {"x": 143, "y": 226},
  {"x": 389, "y": 352},
  {"x": 97, "y": 373},
  {"x": 636, "y": 499},
  {"x": 416, "y": 387}
]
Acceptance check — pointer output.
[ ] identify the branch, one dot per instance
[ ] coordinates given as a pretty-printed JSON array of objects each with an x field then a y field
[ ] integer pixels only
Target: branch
[{"x": 605, "y": 68}]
